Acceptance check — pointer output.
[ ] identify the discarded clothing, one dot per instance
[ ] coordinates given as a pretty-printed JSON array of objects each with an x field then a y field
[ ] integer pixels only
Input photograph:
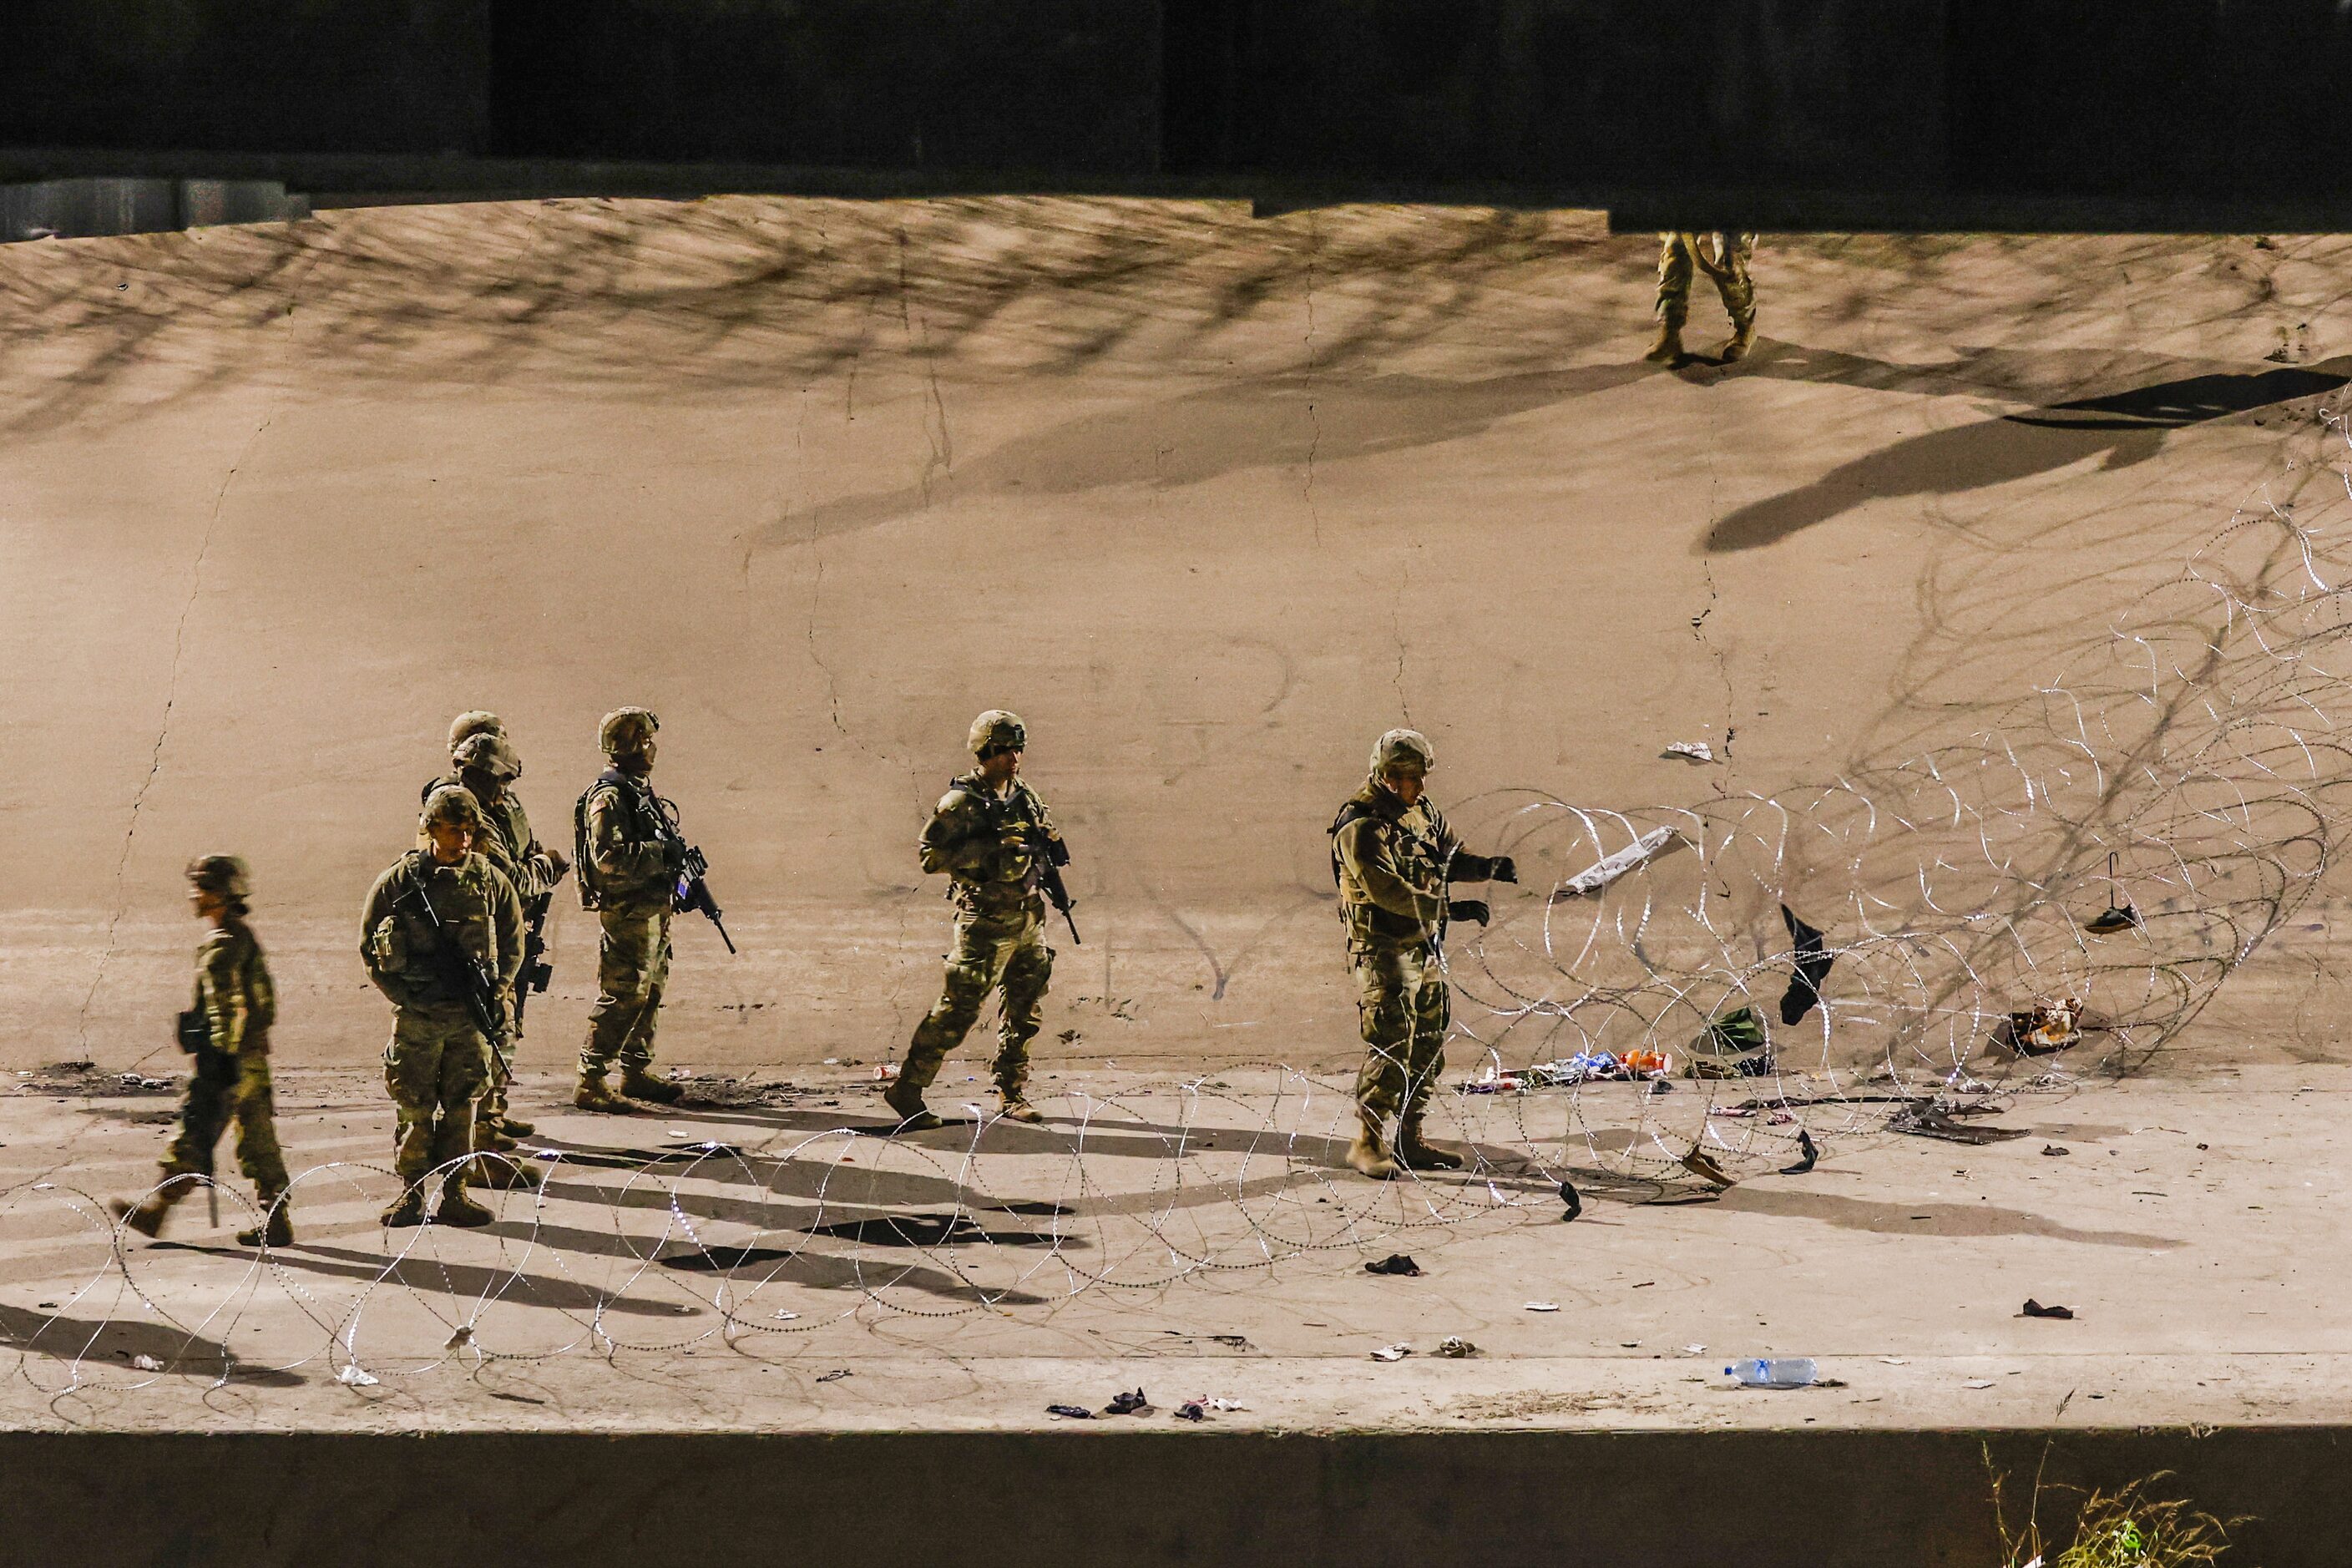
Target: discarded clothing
[
  {"x": 2034, "y": 1308},
  {"x": 1133, "y": 1404},
  {"x": 1191, "y": 1412},
  {"x": 1697, "y": 750},
  {"x": 2045, "y": 1029},
  {"x": 1393, "y": 1353},
  {"x": 1395, "y": 1263},
  {"x": 1455, "y": 1348},
  {"x": 1806, "y": 1147},
  {"x": 1924, "y": 1120},
  {"x": 1812, "y": 966},
  {"x": 1070, "y": 1412},
  {"x": 1607, "y": 869}
]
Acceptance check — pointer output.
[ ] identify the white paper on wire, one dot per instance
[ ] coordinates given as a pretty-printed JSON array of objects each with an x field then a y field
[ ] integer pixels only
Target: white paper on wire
[{"x": 1604, "y": 871}]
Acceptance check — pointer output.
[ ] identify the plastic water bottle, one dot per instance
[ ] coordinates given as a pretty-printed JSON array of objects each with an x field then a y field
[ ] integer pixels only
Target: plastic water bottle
[{"x": 1783, "y": 1371}]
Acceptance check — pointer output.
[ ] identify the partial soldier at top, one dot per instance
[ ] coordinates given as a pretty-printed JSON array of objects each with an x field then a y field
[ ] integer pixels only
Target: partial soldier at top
[{"x": 1393, "y": 857}]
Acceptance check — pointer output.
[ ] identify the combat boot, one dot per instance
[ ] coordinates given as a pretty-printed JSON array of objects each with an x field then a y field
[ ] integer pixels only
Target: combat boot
[
  {"x": 511, "y": 1128},
  {"x": 908, "y": 1101},
  {"x": 1414, "y": 1154},
  {"x": 276, "y": 1230},
  {"x": 1015, "y": 1093},
  {"x": 502, "y": 1172},
  {"x": 147, "y": 1219},
  {"x": 457, "y": 1209},
  {"x": 638, "y": 1084},
  {"x": 1366, "y": 1156},
  {"x": 1668, "y": 348},
  {"x": 595, "y": 1094},
  {"x": 1742, "y": 339},
  {"x": 409, "y": 1210}
]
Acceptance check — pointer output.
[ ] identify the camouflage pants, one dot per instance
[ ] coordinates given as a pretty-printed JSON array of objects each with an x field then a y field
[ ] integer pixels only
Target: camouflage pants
[
  {"x": 224, "y": 1090},
  {"x": 1404, "y": 1008},
  {"x": 492, "y": 1109},
  {"x": 996, "y": 949},
  {"x": 434, "y": 1068},
  {"x": 1678, "y": 256},
  {"x": 632, "y": 967}
]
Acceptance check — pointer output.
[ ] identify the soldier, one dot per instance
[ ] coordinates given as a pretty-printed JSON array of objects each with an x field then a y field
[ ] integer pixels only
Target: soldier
[
  {"x": 228, "y": 1032},
  {"x": 630, "y": 856},
  {"x": 1392, "y": 856},
  {"x": 485, "y": 765},
  {"x": 442, "y": 936},
  {"x": 1677, "y": 254},
  {"x": 989, "y": 834}
]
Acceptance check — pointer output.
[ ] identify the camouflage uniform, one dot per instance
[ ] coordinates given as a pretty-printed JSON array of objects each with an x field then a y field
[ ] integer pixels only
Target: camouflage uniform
[
  {"x": 1678, "y": 256},
  {"x": 238, "y": 1003},
  {"x": 628, "y": 867},
  {"x": 999, "y": 929},
  {"x": 438, "y": 1060}
]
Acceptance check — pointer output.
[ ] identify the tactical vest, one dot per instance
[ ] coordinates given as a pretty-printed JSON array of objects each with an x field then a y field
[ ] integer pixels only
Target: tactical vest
[{"x": 638, "y": 828}]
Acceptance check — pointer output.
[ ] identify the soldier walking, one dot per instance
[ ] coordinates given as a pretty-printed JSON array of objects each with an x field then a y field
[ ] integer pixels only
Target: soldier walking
[
  {"x": 441, "y": 937},
  {"x": 992, "y": 837},
  {"x": 484, "y": 763},
  {"x": 1393, "y": 857},
  {"x": 631, "y": 857},
  {"x": 1678, "y": 255},
  {"x": 227, "y": 1031}
]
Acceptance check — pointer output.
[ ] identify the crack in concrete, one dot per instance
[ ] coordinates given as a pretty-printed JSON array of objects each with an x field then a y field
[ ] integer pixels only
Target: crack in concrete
[{"x": 163, "y": 733}]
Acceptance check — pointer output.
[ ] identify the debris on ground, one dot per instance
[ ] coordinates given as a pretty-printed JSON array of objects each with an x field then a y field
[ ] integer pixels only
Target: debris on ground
[
  {"x": 1543, "y": 1306},
  {"x": 1699, "y": 1164},
  {"x": 1575, "y": 1202},
  {"x": 146, "y": 1363},
  {"x": 1070, "y": 1412},
  {"x": 1393, "y": 1353},
  {"x": 84, "y": 1078},
  {"x": 1395, "y": 1263},
  {"x": 2034, "y": 1308},
  {"x": 1923, "y": 1119},
  {"x": 836, "y": 1375},
  {"x": 1454, "y": 1347},
  {"x": 1782, "y": 1372},
  {"x": 1133, "y": 1404},
  {"x": 2055, "y": 1149},
  {"x": 1609, "y": 868},
  {"x": 733, "y": 1093},
  {"x": 1188, "y": 1411},
  {"x": 1813, "y": 960},
  {"x": 1697, "y": 750},
  {"x": 2045, "y": 1029},
  {"x": 1811, "y": 1151},
  {"x": 350, "y": 1374}
]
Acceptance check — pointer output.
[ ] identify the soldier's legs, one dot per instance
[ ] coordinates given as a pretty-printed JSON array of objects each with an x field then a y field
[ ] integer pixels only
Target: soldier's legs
[
  {"x": 202, "y": 1115},
  {"x": 1733, "y": 252},
  {"x": 457, "y": 1092},
  {"x": 1675, "y": 262},
  {"x": 1028, "y": 972},
  {"x": 1385, "y": 979},
  {"x": 630, "y": 959},
  {"x": 258, "y": 1155},
  {"x": 637, "y": 1046},
  {"x": 1432, "y": 1004},
  {"x": 984, "y": 944}
]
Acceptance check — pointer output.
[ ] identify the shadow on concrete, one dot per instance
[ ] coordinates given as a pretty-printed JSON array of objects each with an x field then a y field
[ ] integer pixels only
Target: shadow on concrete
[
  {"x": 2120, "y": 428},
  {"x": 432, "y": 1273},
  {"x": 1929, "y": 1219},
  {"x": 114, "y": 1343}
]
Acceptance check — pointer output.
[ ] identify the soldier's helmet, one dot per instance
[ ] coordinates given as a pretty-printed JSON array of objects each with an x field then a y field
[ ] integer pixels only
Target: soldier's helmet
[
  {"x": 222, "y": 874},
  {"x": 626, "y": 729},
  {"x": 998, "y": 731},
  {"x": 487, "y": 752},
  {"x": 476, "y": 722},
  {"x": 452, "y": 804},
  {"x": 1407, "y": 748}
]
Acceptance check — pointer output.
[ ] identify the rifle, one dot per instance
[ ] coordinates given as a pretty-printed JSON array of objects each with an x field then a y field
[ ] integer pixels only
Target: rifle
[
  {"x": 535, "y": 971},
  {"x": 194, "y": 1031},
  {"x": 469, "y": 974},
  {"x": 1047, "y": 856},
  {"x": 693, "y": 891}
]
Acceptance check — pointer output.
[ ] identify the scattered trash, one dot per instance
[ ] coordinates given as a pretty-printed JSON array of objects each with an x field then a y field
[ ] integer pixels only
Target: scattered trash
[
  {"x": 460, "y": 1339},
  {"x": 1660, "y": 1086},
  {"x": 1133, "y": 1404},
  {"x": 1806, "y": 1147},
  {"x": 354, "y": 1375},
  {"x": 1188, "y": 1411},
  {"x": 1395, "y": 1263},
  {"x": 1981, "y": 1382},
  {"x": 1393, "y": 1353},
  {"x": 1568, "y": 1072},
  {"x": 2034, "y": 1308},
  {"x": 2055, "y": 1149},
  {"x": 2046, "y": 1029},
  {"x": 2117, "y": 916},
  {"x": 1575, "y": 1202},
  {"x": 1221, "y": 1403},
  {"x": 132, "y": 1080},
  {"x": 1698, "y": 1164},
  {"x": 1607, "y": 869},
  {"x": 786, "y": 1317},
  {"x": 1694, "y": 1350},
  {"x": 1731, "y": 1045},
  {"x": 1785, "y": 1371},
  {"x": 1697, "y": 750},
  {"x": 1543, "y": 1305},
  {"x": 1070, "y": 1412},
  {"x": 1455, "y": 1348},
  {"x": 1924, "y": 1120},
  {"x": 836, "y": 1375},
  {"x": 146, "y": 1363},
  {"x": 1812, "y": 963},
  {"x": 886, "y": 1070}
]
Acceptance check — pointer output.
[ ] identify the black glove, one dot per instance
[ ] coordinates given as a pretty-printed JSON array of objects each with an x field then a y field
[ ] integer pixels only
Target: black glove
[
  {"x": 1505, "y": 869},
  {"x": 1467, "y": 909}
]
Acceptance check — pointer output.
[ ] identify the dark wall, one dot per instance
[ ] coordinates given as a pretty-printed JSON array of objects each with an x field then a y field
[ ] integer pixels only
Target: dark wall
[
  {"x": 1013, "y": 84},
  {"x": 284, "y": 76}
]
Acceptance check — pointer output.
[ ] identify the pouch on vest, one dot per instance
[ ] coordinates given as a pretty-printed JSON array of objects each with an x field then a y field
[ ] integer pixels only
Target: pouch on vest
[{"x": 194, "y": 1031}]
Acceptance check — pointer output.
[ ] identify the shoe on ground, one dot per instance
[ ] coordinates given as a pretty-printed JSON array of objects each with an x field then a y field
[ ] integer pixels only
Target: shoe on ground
[
  {"x": 1366, "y": 1158},
  {"x": 595, "y": 1094},
  {"x": 408, "y": 1211},
  {"x": 146, "y": 1219},
  {"x": 646, "y": 1086},
  {"x": 459, "y": 1210},
  {"x": 277, "y": 1230}
]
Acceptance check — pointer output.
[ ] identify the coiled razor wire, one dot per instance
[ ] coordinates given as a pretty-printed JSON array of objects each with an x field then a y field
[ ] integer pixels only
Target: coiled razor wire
[{"x": 2188, "y": 762}]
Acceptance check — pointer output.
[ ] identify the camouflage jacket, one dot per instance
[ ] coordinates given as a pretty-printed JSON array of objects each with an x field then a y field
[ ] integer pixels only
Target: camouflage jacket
[
  {"x": 233, "y": 990},
  {"x": 478, "y": 906},
  {"x": 626, "y": 861},
  {"x": 1391, "y": 862},
  {"x": 966, "y": 837},
  {"x": 505, "y": 841}
]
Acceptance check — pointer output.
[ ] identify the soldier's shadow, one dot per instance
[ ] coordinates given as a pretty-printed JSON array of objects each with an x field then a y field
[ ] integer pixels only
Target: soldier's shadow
[
  {"x": 116, "y": 1342},
  {"x": 2120, "y": 428}
]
